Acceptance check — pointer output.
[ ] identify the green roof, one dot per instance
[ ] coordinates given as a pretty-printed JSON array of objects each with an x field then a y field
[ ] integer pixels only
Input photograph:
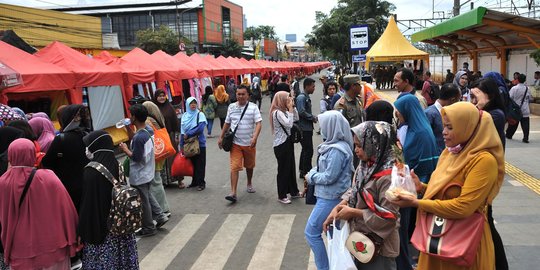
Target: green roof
[{"x": 463, "y": 21}]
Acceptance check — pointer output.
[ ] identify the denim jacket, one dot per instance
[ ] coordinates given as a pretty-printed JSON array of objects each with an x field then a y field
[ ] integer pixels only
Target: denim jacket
[{"x": 332, "y": 175}]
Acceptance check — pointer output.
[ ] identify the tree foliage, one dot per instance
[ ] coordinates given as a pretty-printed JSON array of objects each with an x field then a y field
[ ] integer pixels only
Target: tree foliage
[
  {"x": 265, "y": 31},
  {"x": 231, "y": 48},
  {"x": 331, "y": 34},
  {"x": 162, "y": 38}
]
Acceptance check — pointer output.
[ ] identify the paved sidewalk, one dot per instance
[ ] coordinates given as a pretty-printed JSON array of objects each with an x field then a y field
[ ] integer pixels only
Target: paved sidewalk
[{"x": 516, "y": 209}]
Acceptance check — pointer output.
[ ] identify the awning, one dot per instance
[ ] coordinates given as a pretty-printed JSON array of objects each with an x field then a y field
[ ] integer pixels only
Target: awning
[{"x": 8, "y": 76}]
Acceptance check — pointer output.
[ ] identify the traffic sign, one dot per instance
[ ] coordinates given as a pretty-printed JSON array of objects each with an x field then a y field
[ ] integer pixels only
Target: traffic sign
[
  {"x": 359, "y": 37},
  {"x": 357, "y": 58},
  {"x": 182, "y": 46}
]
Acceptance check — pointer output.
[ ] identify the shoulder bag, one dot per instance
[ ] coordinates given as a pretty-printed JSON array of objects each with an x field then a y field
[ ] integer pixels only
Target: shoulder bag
[
  {"x": 452, "y": 240},
  {"x": 514, "y": 111},
  {"x": 191, "y": 145},
  {"x": 228, "y": 139},
  {"x": 296, "y": 133},
  {"x": 163, "y": 147}
]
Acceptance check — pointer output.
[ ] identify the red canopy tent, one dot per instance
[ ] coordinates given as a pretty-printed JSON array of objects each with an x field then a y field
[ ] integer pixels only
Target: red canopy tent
[
  {"x": 38, "y": 76},
  {"x": 237, "y": 70},
  {"x": 217, "y": 70},
  {"x": 163, "y": 72},
  {"x": 186, "y": 72},
  {"x": 237, "y": 62},
  {"x": 202, "y": 70},
  {"x": 133, "y": 73},
  {"x": 228, "y": 70}
]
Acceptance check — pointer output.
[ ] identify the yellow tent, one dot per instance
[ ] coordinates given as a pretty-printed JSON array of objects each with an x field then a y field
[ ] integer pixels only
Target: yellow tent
[{"x": 393, "y": 46}]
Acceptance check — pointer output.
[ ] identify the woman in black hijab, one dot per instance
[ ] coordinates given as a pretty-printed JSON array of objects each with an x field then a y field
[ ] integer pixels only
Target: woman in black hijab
[
  {"x": 66, "y": 155},
  {"x": 23, "y": 126},
  {"x": 380, "y": 110},
  {"x": 173, "y": 127},
  {"x": 101, "y": 249}
]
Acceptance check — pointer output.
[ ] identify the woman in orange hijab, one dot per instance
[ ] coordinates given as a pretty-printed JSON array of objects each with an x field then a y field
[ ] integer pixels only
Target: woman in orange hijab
[
  {"x": 473, "y": 149},
  {"x": 222, "y": 99}
]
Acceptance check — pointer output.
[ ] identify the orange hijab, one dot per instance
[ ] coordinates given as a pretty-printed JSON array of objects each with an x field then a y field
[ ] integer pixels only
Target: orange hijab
[
  {"x": 221, "y": 95},
  {"x": 464, "y": 118}
]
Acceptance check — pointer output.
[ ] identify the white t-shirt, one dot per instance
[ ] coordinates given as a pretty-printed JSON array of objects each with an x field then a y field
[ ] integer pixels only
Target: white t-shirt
[{"x": 245, "y": 130}]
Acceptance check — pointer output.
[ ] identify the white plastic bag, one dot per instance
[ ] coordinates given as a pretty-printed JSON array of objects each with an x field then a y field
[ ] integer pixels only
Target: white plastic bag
[
  {"x": 338, "y": 255},
  {"x": 402, "y": 183}
]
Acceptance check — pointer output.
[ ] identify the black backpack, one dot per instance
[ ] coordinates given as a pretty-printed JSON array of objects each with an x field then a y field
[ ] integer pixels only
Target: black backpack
[
  {"x": 125, "y": 216},
  {"x": 434, "y": 91}
]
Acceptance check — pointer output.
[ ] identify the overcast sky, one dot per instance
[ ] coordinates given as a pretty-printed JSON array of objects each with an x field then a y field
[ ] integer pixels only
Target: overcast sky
[{"x": 288, "y": 16}]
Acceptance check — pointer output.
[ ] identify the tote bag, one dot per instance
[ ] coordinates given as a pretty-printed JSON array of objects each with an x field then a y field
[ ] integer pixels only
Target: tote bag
[
  {"x": 181, "y": 166},
  {"x": 163, "y": 147}
]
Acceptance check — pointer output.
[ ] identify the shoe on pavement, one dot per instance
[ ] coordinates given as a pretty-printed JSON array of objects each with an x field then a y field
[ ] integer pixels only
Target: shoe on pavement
[
  {"x": 525, "y": 141},
  {"x": 285, "y": 200},
  {"x": 76, "y": 265},
  {"x": 161, "y": 222},
  {"x": 167, "y": 214},
  {"x": 231, "y": 198},
  {"x": 250, "y": 189},
  {"x": 145, "y": 233},
  {"x": 297, "y": 196}
]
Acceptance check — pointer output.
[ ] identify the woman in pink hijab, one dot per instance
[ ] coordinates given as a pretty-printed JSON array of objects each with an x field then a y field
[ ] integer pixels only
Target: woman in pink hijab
[
  {"x": 39, "y": 231},
  {"x": 44, "y": 130}
]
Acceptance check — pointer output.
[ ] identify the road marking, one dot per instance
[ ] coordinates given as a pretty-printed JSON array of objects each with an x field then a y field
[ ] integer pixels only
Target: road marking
[
  {"x": 163, "y": 253},
  {"x": 515, "y": 183},
  {"x": 223, "y": 242},
  {"x": 523, "y": 177},
  {"x": 271, "y": 247}
]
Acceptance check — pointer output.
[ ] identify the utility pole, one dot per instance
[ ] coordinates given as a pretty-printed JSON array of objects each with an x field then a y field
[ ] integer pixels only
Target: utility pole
[{"x": 456, "y": 8}]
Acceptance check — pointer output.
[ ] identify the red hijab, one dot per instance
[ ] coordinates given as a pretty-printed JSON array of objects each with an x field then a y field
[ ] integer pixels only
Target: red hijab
[{"x": 42, "y": 232}]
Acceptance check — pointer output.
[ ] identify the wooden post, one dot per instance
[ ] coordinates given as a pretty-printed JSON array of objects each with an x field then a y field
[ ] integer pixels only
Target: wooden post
[
  {"x": 454, "y": 63},
  {"x": 475, "y": 61},
  {"x": 503, "y": 63}
]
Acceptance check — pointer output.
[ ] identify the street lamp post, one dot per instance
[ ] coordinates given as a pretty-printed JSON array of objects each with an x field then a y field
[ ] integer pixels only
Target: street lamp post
[{"x": 181, "y": 13}]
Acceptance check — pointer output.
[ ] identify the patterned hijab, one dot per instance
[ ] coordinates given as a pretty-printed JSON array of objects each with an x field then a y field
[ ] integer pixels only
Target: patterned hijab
[
  {"x": 154, "y": 113},
  {"x": 376, "y": 139},
  {"x": 7, "y": 114}
]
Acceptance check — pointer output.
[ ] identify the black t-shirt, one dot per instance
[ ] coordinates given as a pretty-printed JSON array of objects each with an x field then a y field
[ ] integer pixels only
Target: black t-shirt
[{"x": 282, "y": 87}]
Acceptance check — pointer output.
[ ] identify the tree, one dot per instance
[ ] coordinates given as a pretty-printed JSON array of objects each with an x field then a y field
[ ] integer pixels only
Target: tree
[
  {"x": 163, "y": 38},
  {"x": 231, "y": 48},
  {"x": 264, "y": 31},
  {"x": 331, "y": 34}
]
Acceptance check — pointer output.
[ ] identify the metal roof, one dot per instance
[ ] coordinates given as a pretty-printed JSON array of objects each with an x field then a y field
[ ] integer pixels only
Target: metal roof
[{"x": 482, "y": 30}]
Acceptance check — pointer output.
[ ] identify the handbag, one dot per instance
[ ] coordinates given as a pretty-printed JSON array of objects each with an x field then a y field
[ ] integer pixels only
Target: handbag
[
  {"x": 364, "y": 247},
  {"x": 191, "y": 145},
  {"x": 163, "y": 147},
  {"x": 452, "y": 240},
  {"x": 514, "y": 114},
  {"x": 228, "y": 138},
  {"x": 296, "y": 133},
  {"x": 338, "y": 256},
  {"x": 181, "y": 166}
]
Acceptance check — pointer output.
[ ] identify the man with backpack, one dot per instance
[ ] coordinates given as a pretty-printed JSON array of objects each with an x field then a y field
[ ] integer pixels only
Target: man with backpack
[
  {"x": 141, "y": 169},
  {"x": 430, "y": 90},
  {"x": 303, "y": 106}
]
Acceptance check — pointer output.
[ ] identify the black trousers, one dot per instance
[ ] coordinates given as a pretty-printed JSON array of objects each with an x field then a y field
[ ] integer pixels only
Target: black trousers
[
  {"x": 199, "y": 168},
  {"x": 221, "y": 122},
  {"x": 500, "y": 255},
  {"x": 307, "y": 152},
  {"x": 257, "y": 100},
  {"x": 525, "y": 125},
  {"x": 286, "y": 176}
]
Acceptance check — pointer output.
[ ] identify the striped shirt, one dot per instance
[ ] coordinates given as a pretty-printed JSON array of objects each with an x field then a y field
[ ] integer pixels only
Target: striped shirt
[{"x": 244, "y": 133}]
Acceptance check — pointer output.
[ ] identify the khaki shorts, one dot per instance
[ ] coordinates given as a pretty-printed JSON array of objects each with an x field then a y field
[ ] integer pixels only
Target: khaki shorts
[{"x": 242, "y": 157}]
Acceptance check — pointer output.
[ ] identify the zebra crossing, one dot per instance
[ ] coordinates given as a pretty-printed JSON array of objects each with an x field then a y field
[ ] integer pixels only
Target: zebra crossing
[{"x": 237, "y": 241}]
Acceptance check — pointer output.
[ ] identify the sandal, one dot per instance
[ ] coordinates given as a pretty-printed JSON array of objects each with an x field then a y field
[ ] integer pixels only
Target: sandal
[
  {"x": 250, "y": 189},
  {"x": 181, "y": 185}
]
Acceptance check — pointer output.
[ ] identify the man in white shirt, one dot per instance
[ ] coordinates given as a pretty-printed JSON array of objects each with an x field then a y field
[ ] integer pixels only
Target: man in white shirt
[{"x": 242, "y": 154}]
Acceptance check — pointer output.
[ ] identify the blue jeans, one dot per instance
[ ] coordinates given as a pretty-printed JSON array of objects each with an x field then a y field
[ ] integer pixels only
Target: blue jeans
[
  {"x": 210, "y": 125},
  {"x": 314, "y": 229}
]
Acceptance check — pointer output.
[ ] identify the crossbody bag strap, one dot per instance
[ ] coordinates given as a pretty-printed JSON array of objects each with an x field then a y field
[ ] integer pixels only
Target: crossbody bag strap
[
  {"x": 277, "y": 119},
  {"x": 524, "y": 95},
  {"x": 27, "y": 186},
  {"x": 104, "y": 171},
  {"x": 241, "y": 116}
]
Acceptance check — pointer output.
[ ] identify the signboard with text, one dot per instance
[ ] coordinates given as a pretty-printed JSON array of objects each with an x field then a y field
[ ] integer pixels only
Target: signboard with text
[
  {"x": 359, "y": 37},
  {"x": 357, "y": 58}
]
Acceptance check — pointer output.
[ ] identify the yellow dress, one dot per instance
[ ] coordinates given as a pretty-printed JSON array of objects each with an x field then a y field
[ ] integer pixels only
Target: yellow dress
[{"x": 479, "y": 179}]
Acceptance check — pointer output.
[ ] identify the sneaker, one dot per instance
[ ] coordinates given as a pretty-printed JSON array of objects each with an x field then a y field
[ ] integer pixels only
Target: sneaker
[
  {"x": 145, "y": 233},
  {"x": 161, "y": 222},
  {"x": 76, "y": 265},
  {"x": 250, "y": 189},
  {"x": 299, "y": 195},
  {"x": 285, "y": 200},
  {"x": 231, "y": 198},
  {"x": 167, "y": 214}
]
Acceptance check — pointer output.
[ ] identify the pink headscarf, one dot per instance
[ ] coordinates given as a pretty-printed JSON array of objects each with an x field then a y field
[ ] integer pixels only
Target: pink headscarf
[
  {"x": 44, "y": 129},
  {"x": 42, "y": 232},
  {"x": 278, "y": 103}
]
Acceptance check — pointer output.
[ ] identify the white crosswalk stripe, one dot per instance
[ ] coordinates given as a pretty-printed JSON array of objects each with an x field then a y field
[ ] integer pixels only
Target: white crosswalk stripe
[
  {"x": 224, "y": 240},
  {"x": 271, "y": 247},
  {"x": 162, "y": 255}
]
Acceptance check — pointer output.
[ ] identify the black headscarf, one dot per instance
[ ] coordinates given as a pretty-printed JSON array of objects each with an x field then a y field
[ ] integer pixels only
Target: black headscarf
[
  {"x": 22, "y": 125},
  {"x": 75, "y": 118},
  {"x": 168, "y": 112},
  {"x": 96, "y": 192},
  {"x": 380, "y": 110},
  {"x": 7, "y": 136}
]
